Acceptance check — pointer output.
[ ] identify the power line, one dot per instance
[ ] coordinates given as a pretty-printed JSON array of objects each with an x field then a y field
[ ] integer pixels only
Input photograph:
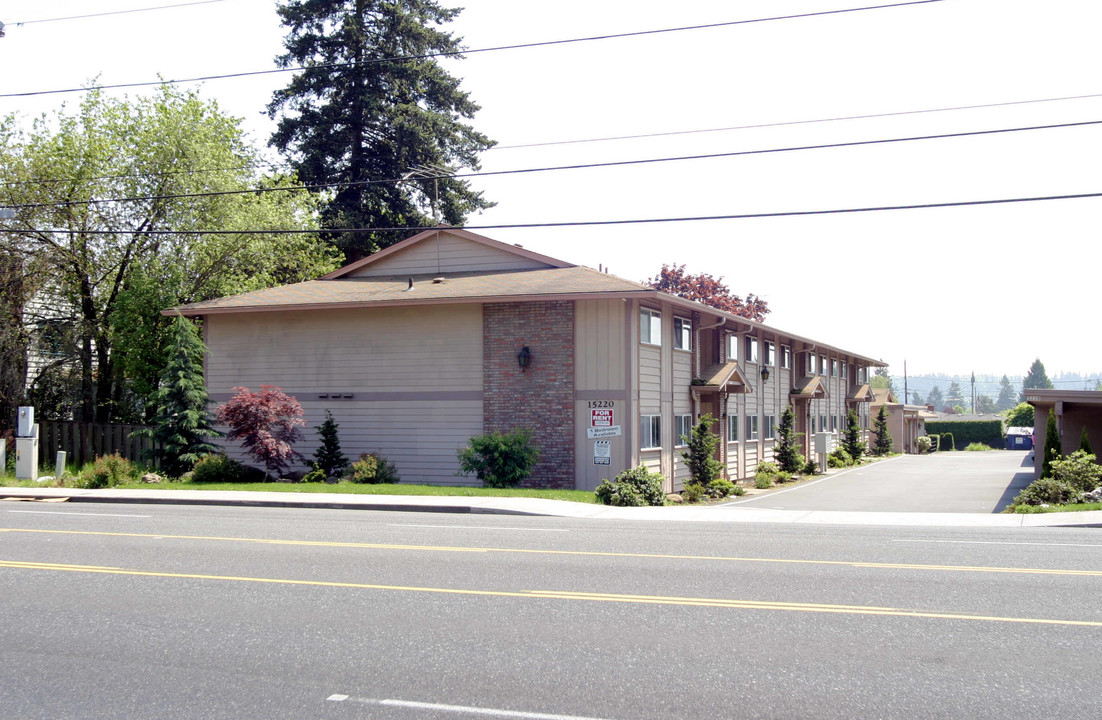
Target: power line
[
  {"x": 785, "y": 123},
  {"x": 593, "y": 140},
  {"x": 581, "y": 223},
  {"x": 115, "y": 12},
  {"x": 579, "y": 166},
  {"x": 453, "y": 53}
]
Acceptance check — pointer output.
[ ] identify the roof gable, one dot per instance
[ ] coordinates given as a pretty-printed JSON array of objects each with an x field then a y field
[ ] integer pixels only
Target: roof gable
[{"x": 446, "y": 251}]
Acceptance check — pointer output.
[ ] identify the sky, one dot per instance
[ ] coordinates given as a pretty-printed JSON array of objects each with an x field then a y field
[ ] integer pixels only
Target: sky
[{"x": 984, "y": 288}]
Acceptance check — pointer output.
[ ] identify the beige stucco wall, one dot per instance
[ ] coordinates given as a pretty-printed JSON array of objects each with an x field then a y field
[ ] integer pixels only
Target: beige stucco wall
[{"x": 415, "y": 375}]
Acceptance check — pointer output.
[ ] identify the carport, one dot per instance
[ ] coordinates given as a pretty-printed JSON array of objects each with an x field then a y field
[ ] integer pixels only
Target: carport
[{"x": 1074, "y": 410}]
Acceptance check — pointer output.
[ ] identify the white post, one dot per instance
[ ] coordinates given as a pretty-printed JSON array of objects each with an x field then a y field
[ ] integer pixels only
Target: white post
[
  {"x": 3, "y": 456},
  {"x": 59, "y": 468}
]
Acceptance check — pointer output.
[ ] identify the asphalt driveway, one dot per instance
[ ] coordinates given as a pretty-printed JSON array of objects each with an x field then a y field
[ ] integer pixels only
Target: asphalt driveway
[{"x": 951, "y": 482}]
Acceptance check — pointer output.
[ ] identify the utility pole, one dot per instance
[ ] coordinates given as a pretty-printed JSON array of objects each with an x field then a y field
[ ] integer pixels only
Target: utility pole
[
  {"x": 973, "y": 392},
  {"x": 905, "y": 382}
]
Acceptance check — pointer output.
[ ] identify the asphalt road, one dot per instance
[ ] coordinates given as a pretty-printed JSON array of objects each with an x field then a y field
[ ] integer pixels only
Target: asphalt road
[
  {"x": 181, "y": 612},
  {"x": 950, "y": 482}
]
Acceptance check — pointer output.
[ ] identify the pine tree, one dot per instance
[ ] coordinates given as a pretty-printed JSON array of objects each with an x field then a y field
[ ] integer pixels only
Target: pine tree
[
  {"x": 1035, "y": 378},
  {"x": 955, "y": 396},
  {"x": 328, "y": 457},
  {"x": 916, "y": 398},
  {"x": 182, "y": 426},
  {"x": 936, "y": 399},
  {"x": 700, "y": 457},
  {"x": 1006, "y": 395},
  {"x": 1085, "y": 442},
  {"x": 883, "y": 435},
  {"x": 786, "y": 453},
  {"x": 1053, "y": 445},
  {"x": 370, "y": 107},
  {"x": 851, "y": 439}
]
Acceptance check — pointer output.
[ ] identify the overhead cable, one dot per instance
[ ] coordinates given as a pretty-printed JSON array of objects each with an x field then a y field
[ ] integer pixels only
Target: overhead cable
[
  {"x": 579, "y": 166},
  {"x": 454, "y": 53}
]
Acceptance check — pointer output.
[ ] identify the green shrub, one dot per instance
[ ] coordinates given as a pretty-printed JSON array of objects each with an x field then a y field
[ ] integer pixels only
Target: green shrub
[
  {"x": 374, "y": 469},
  {"x": 782, "y": 477},
  {"x": 1078, "y": 471},
  {"x": 315, "y": 475},
  {"x": 948, "y": 442},
  {"x": 637, "y": 487},
  {"x": 499, "y": 460},
  {"x": 217, "y": 468},
  {"x": 109, "y": 471},
  {"x": 839, "y": 458},
  {"x": 700, "y": 455},
  {"x": 719, "y": 488},
  {"x": 977, "y": 447},
  {"x": 738, "y": 491},
  {"x": 769, "y": 468},
  {"x": 811, "y": 468},
  {"x": 763, "y": 481},
  {"x": 924, "y": 444},
  {"x": 964, "y": 432},
  {"x": 1047, "y": 491},
  {"x": 691, "y": 493}
]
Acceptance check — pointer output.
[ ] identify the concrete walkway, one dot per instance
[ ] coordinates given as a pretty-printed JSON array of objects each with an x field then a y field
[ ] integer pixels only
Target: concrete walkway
[{"x": 552, "y": 508}]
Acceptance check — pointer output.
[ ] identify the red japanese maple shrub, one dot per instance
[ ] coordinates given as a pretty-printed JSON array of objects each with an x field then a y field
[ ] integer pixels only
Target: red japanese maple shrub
[
  {"x": 709, "y": 290},
  {"x": 267, "y": 424}
]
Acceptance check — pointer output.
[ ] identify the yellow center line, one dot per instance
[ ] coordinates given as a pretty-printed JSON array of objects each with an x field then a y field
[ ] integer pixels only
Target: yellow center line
[
  {"x": 567, "y": 595},
  {"x": 579, "y": 553}
]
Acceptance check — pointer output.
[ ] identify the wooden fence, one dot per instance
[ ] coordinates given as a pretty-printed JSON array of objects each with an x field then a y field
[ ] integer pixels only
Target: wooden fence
[{"x": 86, "y": 441}]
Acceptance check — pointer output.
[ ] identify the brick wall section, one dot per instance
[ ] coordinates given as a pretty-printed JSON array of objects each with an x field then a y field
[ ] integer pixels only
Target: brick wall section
[{"x": 541, "y": 398}]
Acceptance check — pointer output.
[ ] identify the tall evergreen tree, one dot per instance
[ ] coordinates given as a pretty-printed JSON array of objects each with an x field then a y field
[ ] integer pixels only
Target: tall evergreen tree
[
  {"x": 883, "y": 435},
  {"x": 1006, "y": 398},
  {"x": 700, "y": 456},
  {"x": 328, "y": 457},
  {"x": 955, "y": 396},
  {"x": 182, "y": 427},
  {"x": 368, "y": 107},
  {"x": 916, "y": 398},
  {"x": 1035, "y": 378},
  {"x": 851, "y": 438},
  {"x": 936, "y": 399},
  {"x": 786, "y": 453},
  {"x": 1085, "y": 442},
  {"x": 1053, "y": 446}
]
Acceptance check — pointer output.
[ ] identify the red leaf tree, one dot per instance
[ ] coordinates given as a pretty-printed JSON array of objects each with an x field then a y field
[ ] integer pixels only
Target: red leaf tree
[
  {"x": 267, "y": 424},
  {"x": 704, "y": 288}
]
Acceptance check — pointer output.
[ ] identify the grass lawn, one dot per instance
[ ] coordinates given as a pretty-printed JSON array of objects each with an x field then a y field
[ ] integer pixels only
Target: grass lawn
[{"x": 347, "y": 487}]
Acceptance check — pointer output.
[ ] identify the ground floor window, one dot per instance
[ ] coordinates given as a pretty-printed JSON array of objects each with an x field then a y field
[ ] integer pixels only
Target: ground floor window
[
  {"x": 682, "y": 429},
  {"x": 770, "y": 427},
  {"x": 751, "y": 427},
  {"x": 650, "y": 432},
  {"x": 732, "y": 428}
]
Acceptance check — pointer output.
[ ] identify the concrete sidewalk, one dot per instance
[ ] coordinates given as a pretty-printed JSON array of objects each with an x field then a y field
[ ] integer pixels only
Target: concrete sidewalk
[{"x": 548, "y": 508}]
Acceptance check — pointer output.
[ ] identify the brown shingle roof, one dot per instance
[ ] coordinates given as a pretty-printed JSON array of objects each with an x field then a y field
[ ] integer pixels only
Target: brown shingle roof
[{"x": 550, "y": 282}]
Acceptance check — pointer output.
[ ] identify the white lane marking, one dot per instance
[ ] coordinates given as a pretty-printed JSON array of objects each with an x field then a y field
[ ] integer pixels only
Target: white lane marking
[
  {"x": 469, "y": 710},
  {"x": 476, "y": 527},
  {"x": 337, "y": 698},
  {"x": 55, "y": 512},
  {"x": 999, "y": 542}
]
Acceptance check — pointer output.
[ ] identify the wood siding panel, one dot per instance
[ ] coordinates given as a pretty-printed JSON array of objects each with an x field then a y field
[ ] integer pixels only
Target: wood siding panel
[
  {"x": 446, "y": 254},
  {"x": 650, "y": 380},
  {"x": 599, "y": 338},
  {"x": 396, "y": 349}
]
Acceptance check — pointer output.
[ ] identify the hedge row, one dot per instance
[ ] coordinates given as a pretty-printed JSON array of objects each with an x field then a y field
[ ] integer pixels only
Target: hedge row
[{"x": 988, "y": 432}]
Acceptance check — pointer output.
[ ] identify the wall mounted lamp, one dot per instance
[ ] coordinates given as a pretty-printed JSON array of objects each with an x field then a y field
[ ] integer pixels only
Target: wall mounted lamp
[
  {"x": 524, "y": 358},
  {"x": 765, "y": 373}
]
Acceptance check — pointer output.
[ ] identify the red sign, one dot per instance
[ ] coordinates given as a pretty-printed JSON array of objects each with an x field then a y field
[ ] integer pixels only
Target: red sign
[{"x": 601, "y": 418}]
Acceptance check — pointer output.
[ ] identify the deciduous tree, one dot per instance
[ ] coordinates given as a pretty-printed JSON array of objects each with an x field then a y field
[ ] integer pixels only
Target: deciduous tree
[
  {"x": 267, "y": 424},
  {"x": 711, "y": 291},
  {"x": 369, "y": 106}
]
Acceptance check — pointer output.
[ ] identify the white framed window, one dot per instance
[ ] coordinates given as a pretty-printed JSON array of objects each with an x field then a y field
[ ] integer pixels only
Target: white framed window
[
  {"x": 811, "y": 421},
  {"x": 650, "y": 432},
  {"x": 770, "y": 427},
  {"x": 751, "y": 427},
  {"x": 786, "y": 357},
  {"x": 862, "y": 374},
  {"x": 834, "y": 423},
  {"x": 834, "y": 367},
  {"x": 751, "y": 355},
  {"x": 682, "y": 334},
  {"x": 822, "y": 423},
  {"x": 768, "y": 352},
  {"x": 732, "y": 347},
  {"x": 650, "y": 326},
  {"x": 811, "y": 363},
  {"x": 732, "y": 428},
  {"x": 683, "y": 429},
  {"x": 823, "y": 365},
  {"x": 845, "y": 370}
]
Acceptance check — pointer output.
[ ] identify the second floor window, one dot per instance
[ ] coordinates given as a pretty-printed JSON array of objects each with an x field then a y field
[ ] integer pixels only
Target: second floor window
[
  {"x": 650, "y": 327},
  {"x": 786, "y": 357},
  {"x": 682, "y": 334},
  {"x": 767, "y": 354},
  {"x": 751, "y": 355}
]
